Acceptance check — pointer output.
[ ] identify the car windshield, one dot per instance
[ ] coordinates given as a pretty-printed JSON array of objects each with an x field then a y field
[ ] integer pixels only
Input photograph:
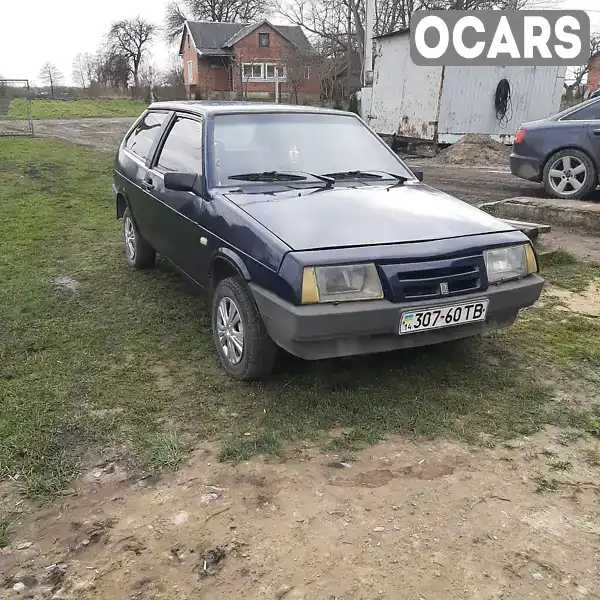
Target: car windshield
[{"x": 299, "y": 144}]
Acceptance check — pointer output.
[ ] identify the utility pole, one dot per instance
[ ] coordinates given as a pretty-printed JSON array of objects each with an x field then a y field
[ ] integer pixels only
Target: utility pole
[
  {"x": 151, "y": 74},
  {"x": 367, "y": 71},
  {"x": 368, "y": 57},
  {"x": 349, "y": 52}
]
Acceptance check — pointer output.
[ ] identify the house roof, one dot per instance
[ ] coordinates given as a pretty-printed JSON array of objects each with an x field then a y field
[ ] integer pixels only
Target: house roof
[
  {"x": 208, "y": 35},
  {"x": 217, "y": 39},
  {"x": 292, "y": 33},
  {"x": 295, "y": 35},
  {"x": 392, "y": 33}
]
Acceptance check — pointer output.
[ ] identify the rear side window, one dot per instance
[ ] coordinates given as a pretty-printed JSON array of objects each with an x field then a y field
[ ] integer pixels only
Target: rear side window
[
  {"x": 142, "y": 137},
  {"x": 182, "y": 150},
  {"x": 589, "y": 113}
]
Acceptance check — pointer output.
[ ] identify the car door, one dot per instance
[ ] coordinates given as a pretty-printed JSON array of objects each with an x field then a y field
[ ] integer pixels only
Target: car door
[
  {"x": 137, "y": 148},
  {"x": 589, "y": 119},
  {"x": 594, "y": 134},
  {"x": 179, "y": 215}
]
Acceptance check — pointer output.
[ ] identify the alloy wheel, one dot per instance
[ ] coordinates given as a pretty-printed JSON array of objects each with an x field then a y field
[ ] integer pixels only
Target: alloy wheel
[
  {"x": 567, "y": 175},
  {"x": 129, "y": 238},
  {"x": 230, "y": 330}
]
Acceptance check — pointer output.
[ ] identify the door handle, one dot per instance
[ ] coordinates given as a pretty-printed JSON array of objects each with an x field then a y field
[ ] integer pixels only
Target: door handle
[
  {"x": 596, "y": 132},
  {"x": 147, "y": 184}
]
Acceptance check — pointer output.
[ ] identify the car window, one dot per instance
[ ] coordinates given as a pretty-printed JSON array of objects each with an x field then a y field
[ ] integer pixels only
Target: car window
[
  {"x": 142, "y": 137},
  {"x": 182, "y": 150},
  {"x": 312, "y": 142},
  {"x": 587, "y": 113}
]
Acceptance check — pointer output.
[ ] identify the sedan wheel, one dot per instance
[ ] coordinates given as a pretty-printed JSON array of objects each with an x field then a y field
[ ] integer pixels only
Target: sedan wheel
[
  {"x": 230, "y": 330},
  {"x": 570, "y": 174},
  {"x": 567, "y": 175}
]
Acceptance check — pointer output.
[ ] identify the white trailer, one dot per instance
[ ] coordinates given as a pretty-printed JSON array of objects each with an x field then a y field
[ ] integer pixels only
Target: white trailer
[{"x": 442, "y": 104}]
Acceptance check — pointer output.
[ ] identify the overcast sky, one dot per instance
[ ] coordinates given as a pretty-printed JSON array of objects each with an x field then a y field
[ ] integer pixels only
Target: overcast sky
[{"x": 57, "y": 30}]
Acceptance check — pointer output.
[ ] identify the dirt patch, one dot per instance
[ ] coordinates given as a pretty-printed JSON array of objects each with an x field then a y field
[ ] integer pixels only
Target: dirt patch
[
  {"x": 584, "y": 246},
  {"x": 104, "y": 133},
  {"x": 586, "y": 303},
  {"x": 40, "y": 170},
  {"x": 475, "y": 149},
  {"x": 435, "y": 519}
]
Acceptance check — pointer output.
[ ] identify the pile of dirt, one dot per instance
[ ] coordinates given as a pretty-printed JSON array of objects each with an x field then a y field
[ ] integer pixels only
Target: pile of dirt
[{"x": 475, "y": 149}]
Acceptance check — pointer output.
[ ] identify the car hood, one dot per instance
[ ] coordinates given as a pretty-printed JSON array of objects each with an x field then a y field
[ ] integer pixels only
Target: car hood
[{"x": 368, "y": 215}]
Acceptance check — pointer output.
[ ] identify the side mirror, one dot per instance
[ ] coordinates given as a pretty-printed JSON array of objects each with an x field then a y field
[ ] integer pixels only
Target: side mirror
[
  {"x": 417, "y": 172},
  {"x": 186, "y": 182}
]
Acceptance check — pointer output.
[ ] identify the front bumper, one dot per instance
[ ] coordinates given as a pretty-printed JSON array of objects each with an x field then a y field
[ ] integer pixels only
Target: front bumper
[
  {"x": 526, "y": 168},
  {"x": 317, "y": 331}
]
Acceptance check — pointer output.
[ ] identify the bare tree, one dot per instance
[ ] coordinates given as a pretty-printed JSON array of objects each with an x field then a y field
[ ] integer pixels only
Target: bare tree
[
  {"x": 327, "y": 20},
  {"x": 79, "y": 74},
  {"x": 88, "y": 64},
  {"x": 130, "y": 39},
  {"x": 3, "y": 90},
  {"x": 110, "y": 68},
  {"x": 298, "y": 66},
  {"x": 173, "y": 75},
  {"x": 574, "y": 89},
  {"x": 50, "y": 75},
  {"x": 170, "y": 81},
  {"x": 222, "y": 11}
]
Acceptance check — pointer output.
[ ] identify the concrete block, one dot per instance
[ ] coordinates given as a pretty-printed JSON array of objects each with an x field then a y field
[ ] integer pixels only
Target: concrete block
[{"x": 572, "y": 214}]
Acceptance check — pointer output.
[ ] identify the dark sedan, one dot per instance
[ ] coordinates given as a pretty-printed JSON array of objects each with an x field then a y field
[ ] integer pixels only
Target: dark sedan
[
  {"x": 311, "y": 235},
  {"x": 562, "y": 151}
]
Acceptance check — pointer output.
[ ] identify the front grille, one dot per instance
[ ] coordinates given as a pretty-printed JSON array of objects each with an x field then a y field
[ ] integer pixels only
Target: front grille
[{"x": 428, "y": 280}]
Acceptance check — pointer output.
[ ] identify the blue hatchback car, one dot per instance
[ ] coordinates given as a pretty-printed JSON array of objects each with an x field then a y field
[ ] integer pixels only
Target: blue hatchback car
[
  {"x": 311, "y": 235},
  {"x": 562, "y": 151}
]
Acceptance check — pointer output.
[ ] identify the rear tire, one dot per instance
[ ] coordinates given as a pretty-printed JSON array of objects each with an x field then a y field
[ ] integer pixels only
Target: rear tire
[
  {"x": 243, "y": 345},
  {"x": 139, "y": 254},
  {"x": 570, "y": 174}
]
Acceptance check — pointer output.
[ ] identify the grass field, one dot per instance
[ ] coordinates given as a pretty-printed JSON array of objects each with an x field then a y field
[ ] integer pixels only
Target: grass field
[
  {"x": 124, "y": 365},
  {"x": 75, "y": 109}
]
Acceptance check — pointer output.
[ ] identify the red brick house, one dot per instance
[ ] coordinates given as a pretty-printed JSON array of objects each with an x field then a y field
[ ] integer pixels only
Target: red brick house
[
  {"x": 593, "y": 79},
  {"x": 236, "y": 60}
]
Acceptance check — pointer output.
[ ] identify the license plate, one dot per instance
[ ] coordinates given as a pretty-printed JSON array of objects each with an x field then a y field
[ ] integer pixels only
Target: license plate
[{"x": 413, "y": 321}]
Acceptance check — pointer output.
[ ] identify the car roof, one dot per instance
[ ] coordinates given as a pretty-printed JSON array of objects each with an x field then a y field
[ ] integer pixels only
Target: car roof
[
  {"x": 573, "y": 109},
  {"x": 208, "y": 107}
]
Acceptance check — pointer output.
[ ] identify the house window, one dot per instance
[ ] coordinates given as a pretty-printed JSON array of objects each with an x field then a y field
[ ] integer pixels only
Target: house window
[
  {"x": 273, "y": 70},
  {"x": 190, "y": 72},
  {"x": 306, "y": 72},
  {"x": 264, "y": 40},
  {"x": 252, "y": 70}
]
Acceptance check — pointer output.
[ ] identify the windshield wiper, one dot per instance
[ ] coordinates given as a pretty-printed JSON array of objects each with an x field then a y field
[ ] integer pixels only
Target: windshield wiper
[
  {"x": 268, "y": 176},
  {"x": 367, "y": 175}
]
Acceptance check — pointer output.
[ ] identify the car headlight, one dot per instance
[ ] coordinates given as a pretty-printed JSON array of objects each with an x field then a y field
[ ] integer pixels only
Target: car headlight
[
  {"x": 340, "y": 284},
  {"x": 512, "y": 262}
]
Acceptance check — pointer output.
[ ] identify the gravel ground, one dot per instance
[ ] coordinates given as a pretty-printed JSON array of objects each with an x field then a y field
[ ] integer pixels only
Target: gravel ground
[
  {"x": 404, "y": 519},
  {"x": 105, "y": 133}
]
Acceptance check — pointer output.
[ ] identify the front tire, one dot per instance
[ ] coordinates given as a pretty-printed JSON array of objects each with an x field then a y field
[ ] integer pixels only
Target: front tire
[
  {"x": 244, "y": 348},
  {"x": 570, "y": 174},
  {"x": 139, "y": 254}
]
